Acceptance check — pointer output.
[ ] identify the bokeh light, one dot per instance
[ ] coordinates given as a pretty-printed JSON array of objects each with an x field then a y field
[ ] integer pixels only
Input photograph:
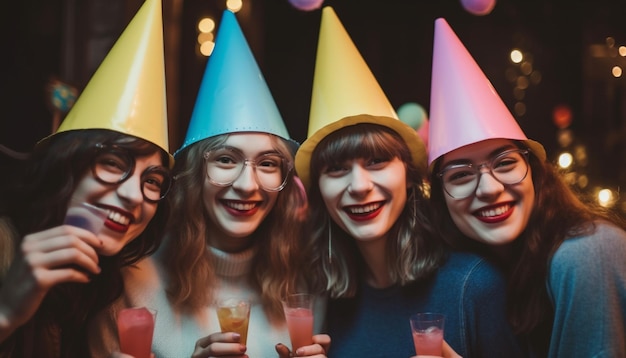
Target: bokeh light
[
  {"x": 306, "y": 5},
  {"x": 516, "y": 56},
  {"x": 565, "y": 160},
  {"x": 412, "y": 114},
  {"x": 478, "y": 7}
]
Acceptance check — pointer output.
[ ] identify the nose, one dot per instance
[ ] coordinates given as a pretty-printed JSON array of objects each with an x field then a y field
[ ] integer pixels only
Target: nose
[
  {"x": 246, "y": 181},
  {"x": 488, "y": 185},
  {"x": 360, "y": 182},
  {"x": 130, "y": 189}
]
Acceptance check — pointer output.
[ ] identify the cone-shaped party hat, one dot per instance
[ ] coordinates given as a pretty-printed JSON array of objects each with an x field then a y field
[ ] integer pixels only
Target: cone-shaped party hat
[
  {"x": 464, "y": 106},
  {"x": 233, "y": 95},
  {"x": 127, "y": 92},
  {"x": 345, "y": 93}
]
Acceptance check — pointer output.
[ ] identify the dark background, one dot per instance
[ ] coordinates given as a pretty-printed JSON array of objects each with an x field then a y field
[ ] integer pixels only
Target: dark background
[{"x": 568, "y": 42}]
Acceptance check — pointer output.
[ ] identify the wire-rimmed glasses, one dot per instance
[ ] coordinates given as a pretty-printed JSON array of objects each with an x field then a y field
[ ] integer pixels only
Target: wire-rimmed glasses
[
  {"x": 461, "y": 180},
  {"x": 224, "y": 165},
  {"x": 113, "y": 165}
]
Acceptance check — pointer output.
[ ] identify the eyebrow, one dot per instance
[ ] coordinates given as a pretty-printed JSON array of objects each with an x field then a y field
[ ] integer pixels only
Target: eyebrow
[
  {"x": 239, "y": 151},
  {"x": 492, "y": 154}
]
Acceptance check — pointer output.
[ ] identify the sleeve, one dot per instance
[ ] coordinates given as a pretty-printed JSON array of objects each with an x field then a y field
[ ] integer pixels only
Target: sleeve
[
  {"x": 488, "y": 331},
  {"x": 587, "y": 284}
]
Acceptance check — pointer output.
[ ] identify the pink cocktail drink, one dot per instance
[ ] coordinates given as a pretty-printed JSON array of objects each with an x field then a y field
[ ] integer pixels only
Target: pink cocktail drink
[
  {"x": 135, "y": 328},
  {"x": 428, "y": 342},
  {"x": 300, "y": 325}
]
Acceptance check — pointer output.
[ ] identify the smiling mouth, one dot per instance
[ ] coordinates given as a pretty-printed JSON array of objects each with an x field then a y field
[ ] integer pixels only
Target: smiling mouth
[
  {"x": 363, "y": 209},
  {"x": 495, "y": 213},
  {"x": 240, "y": 206},
  {"x": 118, "y": 218}
]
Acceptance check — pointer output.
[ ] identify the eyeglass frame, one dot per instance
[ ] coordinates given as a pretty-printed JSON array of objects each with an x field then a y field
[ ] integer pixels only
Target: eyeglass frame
[
  {"x": 477, "y": 169},
  {"x": 253, "y": 163},
  {"x": 130, "y": 159}
]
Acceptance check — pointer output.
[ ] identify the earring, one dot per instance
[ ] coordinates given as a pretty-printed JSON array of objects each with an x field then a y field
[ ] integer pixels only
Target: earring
[{"x": 330, "y": 247}]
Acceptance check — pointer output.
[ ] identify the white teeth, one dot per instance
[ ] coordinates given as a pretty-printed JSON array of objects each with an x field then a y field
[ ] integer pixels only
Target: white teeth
[
  {"x": 364, "y": 209},
  {"x": 118, "y": 218},
  {"x": 495, "y": 212},
  {"x": 241, "y": 206}
]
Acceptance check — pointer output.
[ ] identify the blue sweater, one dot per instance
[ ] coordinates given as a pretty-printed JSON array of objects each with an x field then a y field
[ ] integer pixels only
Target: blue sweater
[
  {"x": 587, "y": 285},
  {"x": 467, "y": 289}
]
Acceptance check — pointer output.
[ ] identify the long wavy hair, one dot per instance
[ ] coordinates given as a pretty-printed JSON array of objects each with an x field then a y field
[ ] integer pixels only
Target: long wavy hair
[
  {"x": 38, "y": 198},
  {"x": 412, "y": 252},
  {"x": 277, "y": 266},
  {"x": 559, "y": 213}
]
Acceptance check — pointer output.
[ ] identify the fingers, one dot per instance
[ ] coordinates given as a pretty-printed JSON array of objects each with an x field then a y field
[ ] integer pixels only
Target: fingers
[
  {"x": 219, "y": 345},
  {"x": 283, "y": 351},
  {"x": 60, "y": 247},
  {"x": 448, "y": 352},
  {"x": 323, "y": 340}
]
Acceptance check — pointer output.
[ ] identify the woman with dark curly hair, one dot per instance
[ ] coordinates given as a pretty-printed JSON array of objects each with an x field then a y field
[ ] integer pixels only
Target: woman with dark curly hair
[{"x": 110, "y": 155}]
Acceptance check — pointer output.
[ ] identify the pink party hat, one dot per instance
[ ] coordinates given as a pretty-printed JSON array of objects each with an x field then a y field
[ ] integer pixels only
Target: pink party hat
[
  {"x": 464, "y": 106},
  {"x": 233, "y": 96}
]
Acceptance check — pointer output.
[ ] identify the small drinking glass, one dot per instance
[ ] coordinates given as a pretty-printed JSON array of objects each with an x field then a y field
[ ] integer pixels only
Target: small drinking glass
[
  {"x": 427, "y": 329},
  {"x": 233, "y": 314},
  {"x": 298, "y": 310},
  {"x": 135, "y": 328}
]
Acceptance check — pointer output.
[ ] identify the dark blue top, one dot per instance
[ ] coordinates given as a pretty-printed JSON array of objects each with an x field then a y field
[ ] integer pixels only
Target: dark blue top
[{"x": 467, "y": 289}]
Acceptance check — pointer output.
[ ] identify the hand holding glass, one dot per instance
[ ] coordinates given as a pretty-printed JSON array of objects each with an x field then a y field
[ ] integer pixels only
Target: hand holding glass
[
  {"x": 427, "y": 329},
  {"x": 234, "y": 316},
  {"x": 298, "y": 310}
]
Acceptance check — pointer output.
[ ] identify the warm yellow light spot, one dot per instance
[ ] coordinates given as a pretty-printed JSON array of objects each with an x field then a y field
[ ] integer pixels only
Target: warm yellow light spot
[
  {"x": 516, "y": 56},
  {"x": 605, "y": 197},
  {"x": 234, "y": 5},
  {"x": 622, "y": 51},
  {"x": 204, "y": 37},
  {"x": 520, "y": 108},
  {"x": 565, "y": 160},
  {"x": 206, "y": 25},
  {"x": 206, "y": 48},
  {"x": 616, "y": 71}
]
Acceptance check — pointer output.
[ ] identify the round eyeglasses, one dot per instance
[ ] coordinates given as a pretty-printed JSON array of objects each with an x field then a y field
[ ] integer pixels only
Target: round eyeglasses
[
  {"x": 225, "y": 165},
  {"x": 114, "y": 165},
  {"x": 461, "y": 180}
]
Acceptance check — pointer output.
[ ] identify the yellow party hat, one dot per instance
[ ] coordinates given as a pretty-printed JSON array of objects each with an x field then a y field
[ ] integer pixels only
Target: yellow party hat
[
  {"x": 127, "y": 92},
  {"x": 345, "y": 93}
]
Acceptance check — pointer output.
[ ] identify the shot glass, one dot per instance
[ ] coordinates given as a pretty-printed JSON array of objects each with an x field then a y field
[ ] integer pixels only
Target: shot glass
[
  {"x": 298, "y": 310},
  {"x": 86, "y": 216},
  {"x": 427, "y": 329},
  {"x": 135, "y": 328},
  {"x": 233, "y": 314}
]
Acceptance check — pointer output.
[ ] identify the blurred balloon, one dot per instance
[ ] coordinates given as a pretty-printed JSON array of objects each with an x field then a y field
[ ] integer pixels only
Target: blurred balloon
[
  {"x": 306, "y": 5},
  {"x": 412, "y": 114},
  {"x": 562, "y": 116},
  {"x": 478, "y": 7}
]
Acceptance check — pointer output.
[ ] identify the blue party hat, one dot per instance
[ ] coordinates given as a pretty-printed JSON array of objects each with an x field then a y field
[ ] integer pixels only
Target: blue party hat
[{"x": 233, "y": 95}]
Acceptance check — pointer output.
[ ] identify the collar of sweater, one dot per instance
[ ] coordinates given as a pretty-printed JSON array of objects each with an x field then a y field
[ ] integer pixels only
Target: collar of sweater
[{"x": 229, "y": 264}]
